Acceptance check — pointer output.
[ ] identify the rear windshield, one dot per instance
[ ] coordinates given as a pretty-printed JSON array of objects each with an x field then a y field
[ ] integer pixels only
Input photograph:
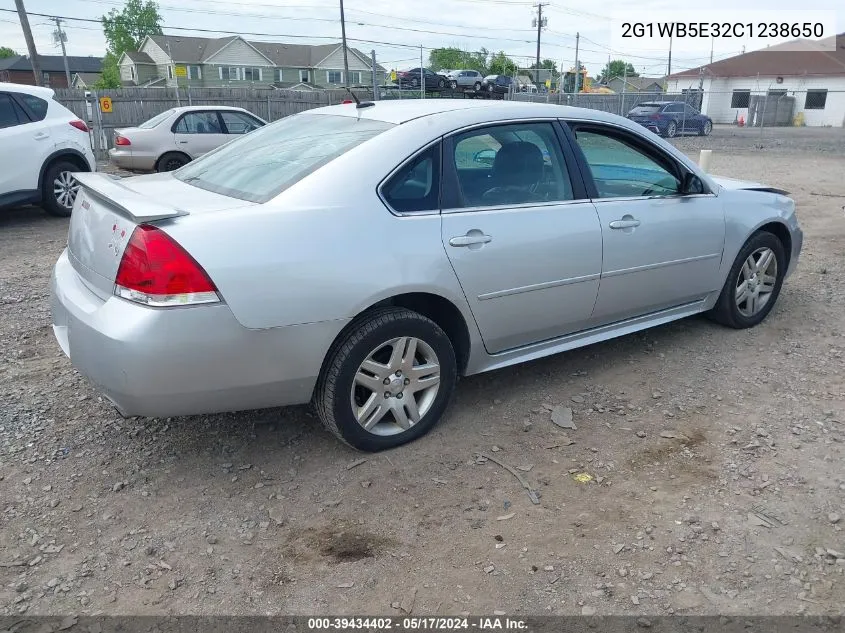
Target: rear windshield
[
  {"x": 155, "y": 120},
  {"x": 262, "y": 164},
  {"x": 646, "y": 109}
]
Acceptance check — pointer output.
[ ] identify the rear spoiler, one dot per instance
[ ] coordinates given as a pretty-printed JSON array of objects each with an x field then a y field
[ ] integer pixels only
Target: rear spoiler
[{"x": 124, "y": 200}]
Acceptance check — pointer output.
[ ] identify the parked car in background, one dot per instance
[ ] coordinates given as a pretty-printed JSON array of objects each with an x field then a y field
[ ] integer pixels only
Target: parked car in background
[
  {"x": 465, "y": 79},
  {"x": 411, "y": 79},
  {"x": 176, "y": 137},
  {"x": 42, "y": 144},
  {"x": 233, "y": 283},
  {"x": 670, "y": 118},
  {"x": 497, "y": 84}
]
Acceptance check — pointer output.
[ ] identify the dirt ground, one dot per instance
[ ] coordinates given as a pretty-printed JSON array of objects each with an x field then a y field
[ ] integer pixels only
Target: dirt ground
[{"x": 715, "y": 456}]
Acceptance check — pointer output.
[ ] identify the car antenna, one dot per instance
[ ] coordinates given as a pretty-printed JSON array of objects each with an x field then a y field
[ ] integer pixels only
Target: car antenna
[{"x": 358, "y": 103}]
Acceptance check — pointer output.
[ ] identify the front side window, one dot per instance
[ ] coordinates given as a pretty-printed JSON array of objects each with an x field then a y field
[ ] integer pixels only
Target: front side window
[
  {"x": 622, "y": 168},
  {"x": 416, "y": 187},
  {"x": 334, "y": 76},
  {"x": 239, "y": 123},
  {"x": 510, "y": 164},
  {"x": 199, "y": 123},
  {"x": 260, "y": 165},
  {"x": 690, "y": 111},
  {"x": 9, "y": 114}
]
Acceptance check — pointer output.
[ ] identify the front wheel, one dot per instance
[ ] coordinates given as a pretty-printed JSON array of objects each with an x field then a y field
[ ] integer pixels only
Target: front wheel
[
  {"x": 453, "y": 84},
  {"x": 60, "y": 188},
  {"x": 706, "y": 128},
  {"x": 477, "y": 86},
  {"x": 753, "y": 284},
  {"x": 415, "y": 82},
  {"x": 441, "y": 83},
  {"x": 671, "y": 129},
  {"x": 388, "y": 381}
]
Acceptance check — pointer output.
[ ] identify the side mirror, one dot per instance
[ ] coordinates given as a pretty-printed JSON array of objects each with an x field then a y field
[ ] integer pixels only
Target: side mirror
[
  {"x": 691, "y": 185},
  {"x": 484, "y": 157}
]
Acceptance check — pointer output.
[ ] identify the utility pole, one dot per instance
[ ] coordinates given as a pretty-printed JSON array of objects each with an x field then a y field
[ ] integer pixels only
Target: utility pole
[
  {"x": 61, "y": 36},
  {"x": 375, "y": 77},
  {"x": 343, "y": 37},
  {"x": 540, "y": 24},
  {"x": 422, "y": 74},
  {"x": 577, "y": 64},
  {"x": 624, "y": 87},
  {"x": 669, "y": 71},
  {"x": 30, "y": 43}
]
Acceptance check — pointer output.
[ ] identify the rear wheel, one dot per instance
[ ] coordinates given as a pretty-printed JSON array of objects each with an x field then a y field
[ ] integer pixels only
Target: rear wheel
[
  {"x": 477, "y": 86},
  {"x": 754, "y": 283},
  {"x": 415, "y": 82},
  {"x": 454, "y": 84},
  {"x": 388, "y": 381},
  {"x": 706, "y": 128},
  {"x": 441, "y": 83},
  {"x": 171, "y": 161},
  {"x": 671, "y": 129},
  {"x": 59, "y": 189}
]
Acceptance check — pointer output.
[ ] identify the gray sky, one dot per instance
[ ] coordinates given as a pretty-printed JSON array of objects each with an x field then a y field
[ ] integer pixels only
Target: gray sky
[{"x": 401, "y": 26}]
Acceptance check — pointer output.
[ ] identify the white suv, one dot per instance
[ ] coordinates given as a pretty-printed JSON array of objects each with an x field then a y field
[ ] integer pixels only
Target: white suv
[{"x": 43, "y": 144}]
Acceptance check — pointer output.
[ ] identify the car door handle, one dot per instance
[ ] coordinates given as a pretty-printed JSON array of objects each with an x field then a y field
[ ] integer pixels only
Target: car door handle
[
  {"x": 40, "y": 136},
  {"x": 625, "y": 223},
  {"x": 182, "y": 142},
  {"x": 470, "y": 239}
]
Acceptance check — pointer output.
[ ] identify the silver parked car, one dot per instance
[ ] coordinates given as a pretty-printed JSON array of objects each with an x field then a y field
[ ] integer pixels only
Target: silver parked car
[
  {"x": 465, "y": 79},
  {"x": 364, "y": 257},
  {"x": 179, "y": 135}
]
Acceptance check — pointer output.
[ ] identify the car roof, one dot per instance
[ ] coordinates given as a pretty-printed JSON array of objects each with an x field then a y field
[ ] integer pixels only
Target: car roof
[
  {"x": 38, "y": 91},
  {"x": 657, "y": 103},
  {"x": 206, "y": 107},
  {"x": 401, "y": 111}
]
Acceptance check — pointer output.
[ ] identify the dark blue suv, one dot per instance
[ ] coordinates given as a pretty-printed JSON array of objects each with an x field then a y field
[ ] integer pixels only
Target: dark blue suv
[{"x": 670, "y": 118}]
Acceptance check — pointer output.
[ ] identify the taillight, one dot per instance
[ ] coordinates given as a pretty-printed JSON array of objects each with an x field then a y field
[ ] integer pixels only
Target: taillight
[
  {"x": 121, "y": 140},
  {"x": 156, "y": 271},
  {"x": 654, "y": 116},
  {"x": 79, "y": 125}
]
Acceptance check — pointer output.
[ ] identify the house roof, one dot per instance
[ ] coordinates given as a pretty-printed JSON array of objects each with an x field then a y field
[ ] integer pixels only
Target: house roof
[
  {"x": 777, "y": 61},
  {"x": 87, "y": 79},
  {"x": 139, "y": 58},
  {"x": 54, "y": 64},
  {"x": 199, "y": 49},
  {"x": 640, "y": 82}
]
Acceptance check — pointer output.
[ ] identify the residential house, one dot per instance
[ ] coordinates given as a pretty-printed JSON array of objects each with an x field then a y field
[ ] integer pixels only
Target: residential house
[
  {"x": 18, "y": 69},
  {"x": 169, "y": 60},
  {"x": 814, "y": 78},
  {"x": 636, "y": 84},
  {"x": 84, "y": 81}
]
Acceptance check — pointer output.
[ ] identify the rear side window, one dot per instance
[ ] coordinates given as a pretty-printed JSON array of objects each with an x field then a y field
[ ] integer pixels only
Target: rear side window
[
  {"x": 9, "y": 115},
  {"x": 156, "y": 120},
  {"x": 260, "y": 165},
  {"x": 645, "y": 109},
  {"x": 416, "y": 186},
  {"x": 37, "y": 106}
]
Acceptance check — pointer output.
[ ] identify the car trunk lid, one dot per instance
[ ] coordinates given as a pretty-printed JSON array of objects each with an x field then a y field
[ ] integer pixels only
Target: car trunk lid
[{"x": 107, "y": 210}]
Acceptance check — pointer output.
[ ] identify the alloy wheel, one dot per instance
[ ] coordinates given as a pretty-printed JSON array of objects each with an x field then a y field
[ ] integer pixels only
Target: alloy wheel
[
  {"x": 756, "y": 281},
  {"x": 65, "y": 188},
  {"x": 395, "y": 386}
]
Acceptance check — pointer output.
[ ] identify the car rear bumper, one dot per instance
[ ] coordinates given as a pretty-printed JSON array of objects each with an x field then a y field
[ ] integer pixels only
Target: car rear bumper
[
  {"x": 182, "y": 361},
  {"x": 127, "y": 159}
]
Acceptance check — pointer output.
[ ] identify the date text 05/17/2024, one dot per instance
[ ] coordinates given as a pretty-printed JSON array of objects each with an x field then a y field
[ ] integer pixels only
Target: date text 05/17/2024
[
  {"x": 723, "y": 29},
  {"x": 415, "y": 623}
]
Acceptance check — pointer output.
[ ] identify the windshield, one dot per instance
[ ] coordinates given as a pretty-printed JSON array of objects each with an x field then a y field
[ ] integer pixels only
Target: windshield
[
  {"x": 156, "y": 120},
  {"x": 645, "y": 109},
  {"x": 262, "y": 164}
]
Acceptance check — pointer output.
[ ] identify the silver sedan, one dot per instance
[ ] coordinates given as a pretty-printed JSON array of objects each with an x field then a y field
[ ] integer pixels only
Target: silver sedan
[{"x": 364, "y": 256}]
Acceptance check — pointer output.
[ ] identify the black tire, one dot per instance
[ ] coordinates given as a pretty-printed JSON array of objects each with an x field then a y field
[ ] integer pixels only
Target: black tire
[
  {"x": 706, "y": 129},
  {"x": 671, "y": 129},
  {"x": 415, "y": 83},
  {"x": 490, "y": 88},
  {"x": 453, "y": 84},
  {"x": 726, "y": 311},
  {"x": 477, "y": 86},
  {"x": 171, "y": 161},
  {"x": 53, "y": 202},
  {"x": 441, "y": 83},
  {"x": 332, "y": 396}
]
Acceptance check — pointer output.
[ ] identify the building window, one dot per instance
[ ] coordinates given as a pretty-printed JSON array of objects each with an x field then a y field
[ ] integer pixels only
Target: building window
[
  {"x": 170, "y": 72},
  {"x": 740, "y": 98},
  {"x": 252, "y": 74},
  {"x": 816, "y": 99},
  {"x": 334, "y": 76},
  {"x": 46, "y": 77},
  {"x": 229, "y": 73},
  {"x": 304, "y": 76},
  {"x": 194, "y": 72},
  {"x": 354, "y": 78},
  {"x": 132, "y": 73}
]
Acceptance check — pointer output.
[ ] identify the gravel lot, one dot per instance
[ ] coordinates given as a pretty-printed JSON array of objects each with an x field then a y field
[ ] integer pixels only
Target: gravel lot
[{"x": 715, "y": 456}]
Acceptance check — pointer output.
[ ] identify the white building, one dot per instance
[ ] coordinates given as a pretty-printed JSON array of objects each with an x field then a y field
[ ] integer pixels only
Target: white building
[{"x": 814, "y": 78}]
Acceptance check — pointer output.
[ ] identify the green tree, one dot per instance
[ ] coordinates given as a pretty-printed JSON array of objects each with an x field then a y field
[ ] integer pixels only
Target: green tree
[
  {"x": 546, "y": 64},
  {"x": 456, "y": 59},
  {"x": 125, "y": 30},
  {"x": 5, "y": 52},
  {"x": 616, "y": 68},
  {"x": 501, "y": 64}
]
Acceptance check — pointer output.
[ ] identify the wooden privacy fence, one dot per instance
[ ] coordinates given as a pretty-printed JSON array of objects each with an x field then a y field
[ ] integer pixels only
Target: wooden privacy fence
[{"x": 131, "y": 106}]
